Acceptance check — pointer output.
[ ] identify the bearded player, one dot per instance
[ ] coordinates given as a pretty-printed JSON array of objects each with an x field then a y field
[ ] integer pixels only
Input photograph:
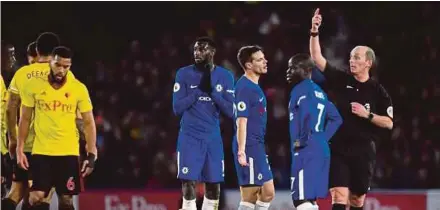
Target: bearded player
[
  {"x": 55, "y": 154},
  {"x": 38, "y": 67},
  {"x": 201, "y": 92}
]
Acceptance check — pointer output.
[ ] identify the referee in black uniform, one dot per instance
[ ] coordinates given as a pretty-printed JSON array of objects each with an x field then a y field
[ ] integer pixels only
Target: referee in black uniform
[{"x": 366, "y": 109}]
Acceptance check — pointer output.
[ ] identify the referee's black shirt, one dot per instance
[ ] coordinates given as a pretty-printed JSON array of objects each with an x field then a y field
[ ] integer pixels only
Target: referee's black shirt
[{"x": 356, "y": 134}]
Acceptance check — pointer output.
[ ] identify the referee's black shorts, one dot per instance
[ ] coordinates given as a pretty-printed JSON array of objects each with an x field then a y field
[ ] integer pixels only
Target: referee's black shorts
[{"x": 353, "y": 170}]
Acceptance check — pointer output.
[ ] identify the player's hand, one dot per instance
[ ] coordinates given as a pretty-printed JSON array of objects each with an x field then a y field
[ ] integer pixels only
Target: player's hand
[
  {"x": 88, "y": 165},
  {"x": 316, "y": 21},
  {"x": 359, "y": 110},
  {"x": 22, "y": 160},
  {"x": 242, "y": 159},
  {"x": 205, "y": 83}
]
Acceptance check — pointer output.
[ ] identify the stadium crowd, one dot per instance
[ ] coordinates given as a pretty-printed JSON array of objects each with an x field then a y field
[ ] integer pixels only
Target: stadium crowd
[{"x": 131, "y": 89}]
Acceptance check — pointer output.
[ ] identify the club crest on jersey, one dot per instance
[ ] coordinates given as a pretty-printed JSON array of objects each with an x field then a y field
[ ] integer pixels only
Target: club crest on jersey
[
  {"x": 185, "y": 170},
  {"x": 219, "y": 88},
  {"x": 241, "y": 106},
  {"x": 176, "y": 87},
  {"x": 390, "y": 111}
]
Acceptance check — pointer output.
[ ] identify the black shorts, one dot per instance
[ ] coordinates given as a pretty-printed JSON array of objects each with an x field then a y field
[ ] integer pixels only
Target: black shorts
[
  {"x": 352, "y": 171},
  {"x": 61, "y": 172},
  {"x": 19, "y": 174}
]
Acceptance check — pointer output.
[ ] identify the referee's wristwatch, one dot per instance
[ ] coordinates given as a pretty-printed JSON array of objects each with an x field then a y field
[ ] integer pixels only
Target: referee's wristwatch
[{"x": 370, "y": 116}]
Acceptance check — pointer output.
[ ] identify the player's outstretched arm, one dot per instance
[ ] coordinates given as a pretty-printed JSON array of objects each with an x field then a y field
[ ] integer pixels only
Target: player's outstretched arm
[
  {"x": 334, "y": 120},
  {"x": 223, "y": 96},
  {"x": 315, "y": 48},
  {"x": 181, "y": 99}
]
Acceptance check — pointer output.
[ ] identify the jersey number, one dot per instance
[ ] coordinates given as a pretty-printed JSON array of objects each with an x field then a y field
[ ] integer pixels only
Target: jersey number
[{"x": 321, "y": 110}]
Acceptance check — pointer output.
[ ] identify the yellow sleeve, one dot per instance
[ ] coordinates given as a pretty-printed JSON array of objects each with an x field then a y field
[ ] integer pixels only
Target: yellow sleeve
[
  {"x": 13, "y": 87},
  {"x": 27, "y": 97},
  {"x": 84, "y": 102},
  {"x": 17, "y": 79}
]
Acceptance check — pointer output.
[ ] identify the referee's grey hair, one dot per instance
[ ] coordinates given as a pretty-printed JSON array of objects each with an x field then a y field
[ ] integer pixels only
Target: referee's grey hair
[{"x": 371, "y": 56}]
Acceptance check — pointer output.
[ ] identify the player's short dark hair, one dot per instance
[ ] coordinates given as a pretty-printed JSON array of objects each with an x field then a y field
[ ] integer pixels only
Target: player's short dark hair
[
  {"x": 245, "y": 54},
  {"x": 208, "y": 40},
  {"x": 32, "y": 49},
  {"x": 62, "y": 51},
  {"x": 46, "y": 42},
  {"x": 302, "y": 62}
]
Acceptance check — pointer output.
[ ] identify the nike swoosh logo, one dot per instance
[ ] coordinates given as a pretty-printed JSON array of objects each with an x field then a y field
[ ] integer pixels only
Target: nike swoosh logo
[
  {"x": 348, "y": 86},
  {"x": 261, "y": 99},
  {"x": 193, "y": 86}
]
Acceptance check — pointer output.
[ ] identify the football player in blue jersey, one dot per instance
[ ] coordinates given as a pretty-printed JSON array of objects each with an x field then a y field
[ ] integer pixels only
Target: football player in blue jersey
[
  {"x": 251, "y": 162},
  {"x": 201, "y": 92},
  {"x": 313, "y": 121}
]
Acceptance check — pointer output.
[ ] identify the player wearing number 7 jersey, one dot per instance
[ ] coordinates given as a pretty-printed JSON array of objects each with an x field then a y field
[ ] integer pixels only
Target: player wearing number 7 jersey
[{"x": 313, "y": 121}]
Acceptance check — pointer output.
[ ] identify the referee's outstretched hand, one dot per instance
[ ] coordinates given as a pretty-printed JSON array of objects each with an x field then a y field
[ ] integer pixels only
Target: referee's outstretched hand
[
  {"x": 22, "y": 160},
  {"x": 316, "y": 21}
]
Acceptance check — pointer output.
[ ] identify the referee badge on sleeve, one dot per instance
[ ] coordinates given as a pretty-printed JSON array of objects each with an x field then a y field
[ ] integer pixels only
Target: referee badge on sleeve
[{"x": 390, "y": 111}]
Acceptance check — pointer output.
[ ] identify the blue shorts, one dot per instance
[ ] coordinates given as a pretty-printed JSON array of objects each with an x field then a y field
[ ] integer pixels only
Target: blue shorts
[
  {"x": 200, "y": 159},
  {"x": 309, "y": 176},
  {"x": 258, "y": 171}
]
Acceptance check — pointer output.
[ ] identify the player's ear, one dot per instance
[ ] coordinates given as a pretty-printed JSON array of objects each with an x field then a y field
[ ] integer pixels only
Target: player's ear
[
  {"x": 248, "y": 65},
  {"x": 369, "y": 63}
]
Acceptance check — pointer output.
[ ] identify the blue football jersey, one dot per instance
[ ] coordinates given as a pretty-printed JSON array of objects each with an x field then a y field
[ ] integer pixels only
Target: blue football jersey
[
  {"x": 200, "y": 111},
  {"x": 313, "y": 118},
  {"x": 250, "y": 102}
]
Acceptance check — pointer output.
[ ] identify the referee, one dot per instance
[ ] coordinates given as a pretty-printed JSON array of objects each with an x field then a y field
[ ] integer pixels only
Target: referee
[{"x": 366, "y": 109}]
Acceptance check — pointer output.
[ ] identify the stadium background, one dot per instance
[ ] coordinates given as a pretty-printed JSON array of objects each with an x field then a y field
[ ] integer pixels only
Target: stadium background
[{"x": 127, "y": 54}]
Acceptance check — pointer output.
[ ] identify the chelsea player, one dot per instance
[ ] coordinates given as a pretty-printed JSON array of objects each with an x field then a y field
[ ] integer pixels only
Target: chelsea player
[
  {"x": 251, "y": 163},
  {"x": 313, "y": 121},
  {"x": 201, "y": 92}
]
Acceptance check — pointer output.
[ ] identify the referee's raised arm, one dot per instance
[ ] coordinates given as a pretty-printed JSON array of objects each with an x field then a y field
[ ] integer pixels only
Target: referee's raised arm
[{"x": 315, "y": 48}]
